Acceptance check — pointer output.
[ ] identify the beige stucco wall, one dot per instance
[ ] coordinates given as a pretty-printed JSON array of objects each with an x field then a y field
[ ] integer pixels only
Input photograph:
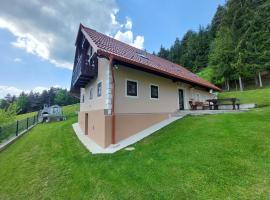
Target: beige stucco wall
[
  {"x": 168, "y": 101},
  {"x": 133, "y": 114},
  {"x": 102, "y": 102},
  {"x": 127, "y": 125},
  {"x": 99, "y": 126}
]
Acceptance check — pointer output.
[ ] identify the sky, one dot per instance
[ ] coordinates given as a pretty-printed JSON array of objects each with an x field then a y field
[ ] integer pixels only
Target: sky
[{"x": 37, "y": 38}]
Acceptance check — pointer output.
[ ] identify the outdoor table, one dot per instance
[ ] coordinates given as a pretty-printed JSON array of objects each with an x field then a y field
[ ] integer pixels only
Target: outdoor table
[{"x": 214, "y": 103}]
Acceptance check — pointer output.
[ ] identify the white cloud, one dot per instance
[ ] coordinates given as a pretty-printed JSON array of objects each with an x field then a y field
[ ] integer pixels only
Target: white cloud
[
  {"x": 127, "y": 37},
  {"x": 128, "y": 24},
  {"x": 17, "y": 60},
  {"x": 4, "y": 90},
  {"x": 138, "y": 42},
  {"x": 39, "y": 89},
  {"x": 48, "y": 29}
]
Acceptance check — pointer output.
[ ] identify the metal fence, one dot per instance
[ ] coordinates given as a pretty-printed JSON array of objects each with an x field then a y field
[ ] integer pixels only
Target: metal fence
[{"x": 14, "y": 129}]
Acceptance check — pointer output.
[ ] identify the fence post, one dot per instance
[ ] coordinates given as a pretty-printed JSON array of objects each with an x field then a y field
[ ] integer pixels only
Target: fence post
[
  {"x": 27, "y": 123},
  {"x": 34, "y": 120},
  {"x": 17, "y": 128}
]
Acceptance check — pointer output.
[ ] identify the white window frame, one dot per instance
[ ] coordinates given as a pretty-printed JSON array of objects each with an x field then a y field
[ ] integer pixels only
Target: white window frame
[
  {"x": 151, "y": 91},
  {"x": 101, "y": 89},
  {"x": 186, "y": 105},
  {"x": 198, "y": 96},
  {"x": 82, "y": 98},
  {"x": 89, "y": 53},
  {"x": 91, "y": 91},
  {"x": 126, "y": 95}
]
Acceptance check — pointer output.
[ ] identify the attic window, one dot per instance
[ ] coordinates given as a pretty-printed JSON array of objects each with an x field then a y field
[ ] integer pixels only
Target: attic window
[
  {"x": 142, "y": 55},
  {"x": 178, "y": 69}
]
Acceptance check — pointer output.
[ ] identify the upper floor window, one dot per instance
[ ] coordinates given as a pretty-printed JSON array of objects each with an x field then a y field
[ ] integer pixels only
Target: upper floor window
[
  {"x": 131, "y": 88},
  {"x": 99, "y": 89},
  {"x": 91, "y": 93},
  {"x": 198, "y": 97},
  {"x": 154, "y": 91},
  {"x": 89, "y": 53},
  {"x": 82, "y": 98}
]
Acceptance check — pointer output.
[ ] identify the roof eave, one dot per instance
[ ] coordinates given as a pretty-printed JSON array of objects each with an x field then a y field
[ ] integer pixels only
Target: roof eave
[{"x": 109, "y": 55}]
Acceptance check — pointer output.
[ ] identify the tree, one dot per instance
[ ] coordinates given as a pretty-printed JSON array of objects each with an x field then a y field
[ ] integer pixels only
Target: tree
[
  {"x": 35, "y": 101},
  {"x": 23, "y": 103},
  {"x": 236, "y": 45},
  {"x": 61, "y": 97},
  {"x": 8, "y": 115},
  {"x": 188, "y": 54},
  {"x": 163, "y": 53},
  {"x": 201, "y": 49},
  {"x": 221, "y": 57},
  {"x": 216, "y": 21},
  {"x": 175, "y": 51},
  {"x": 255, "y": 43},
  {"x": 4, "y": 104}
]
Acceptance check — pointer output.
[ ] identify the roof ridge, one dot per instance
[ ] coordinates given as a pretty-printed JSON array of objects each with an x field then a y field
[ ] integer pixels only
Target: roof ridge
[
  {"x": 111, "y": 45},
  {"x": 135, "y": 47},
  {"x": 110, "y": 37}
]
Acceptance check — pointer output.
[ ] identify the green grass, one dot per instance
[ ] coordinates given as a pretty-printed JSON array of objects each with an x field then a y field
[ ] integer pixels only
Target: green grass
[
  {"x": 71, "y": 109},
  {"x": 260, "y": 96},
  {"x": 24, "y": 116},
  {"x": 66, "y": 110},
  {"x": 223, "y": 156}
]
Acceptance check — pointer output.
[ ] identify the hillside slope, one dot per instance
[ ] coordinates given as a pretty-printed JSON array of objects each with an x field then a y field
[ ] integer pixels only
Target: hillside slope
[
  {"x": 260, "y": 96},
  {"x": 199, "y": 157}
]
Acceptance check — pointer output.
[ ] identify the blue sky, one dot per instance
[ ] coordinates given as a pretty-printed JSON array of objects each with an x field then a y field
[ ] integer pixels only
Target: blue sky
[{"x": 37, "y": 39}]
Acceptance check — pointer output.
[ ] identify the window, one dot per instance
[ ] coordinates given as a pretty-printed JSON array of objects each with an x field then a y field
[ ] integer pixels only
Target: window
[
  {"x": 154, "y": 90},
  {"x": 198, "y": 97},
  {"x": 91, "y": 93},
  {"x": 54, "y": 110},
  {"x": 99, "y": 89},
  {"x": 132, "y": 88},
  {"x": 82, "y": 99},
  {"x": 89, "y": 54}
]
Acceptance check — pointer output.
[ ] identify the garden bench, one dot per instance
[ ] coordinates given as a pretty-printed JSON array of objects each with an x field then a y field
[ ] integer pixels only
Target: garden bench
[
  {"x": 196, "y": 104},
  {"x": 215, "y": 103}
]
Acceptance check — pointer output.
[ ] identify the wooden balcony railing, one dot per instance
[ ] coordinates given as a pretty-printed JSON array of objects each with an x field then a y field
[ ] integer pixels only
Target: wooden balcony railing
[{"x": 84, "y": 71}]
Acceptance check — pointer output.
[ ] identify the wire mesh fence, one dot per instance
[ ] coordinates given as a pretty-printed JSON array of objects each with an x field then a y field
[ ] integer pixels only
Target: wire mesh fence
[{"x": 14, "y": 129}]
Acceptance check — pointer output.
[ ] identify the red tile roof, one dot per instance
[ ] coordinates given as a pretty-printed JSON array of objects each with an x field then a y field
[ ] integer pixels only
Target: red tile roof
[{"x": 108, "y": 46}]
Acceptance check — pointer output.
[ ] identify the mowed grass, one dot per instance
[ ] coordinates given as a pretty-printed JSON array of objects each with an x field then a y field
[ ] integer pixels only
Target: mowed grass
[
  {"x": 224, "y": 156},
  {"x": 260, "y": 96},
  {"x": 66, "y": 110},
  {"x": 24, "y": 116}
]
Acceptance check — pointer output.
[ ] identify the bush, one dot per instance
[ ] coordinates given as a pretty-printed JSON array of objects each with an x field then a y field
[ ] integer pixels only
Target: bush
[{"x": 8, "y": 115}]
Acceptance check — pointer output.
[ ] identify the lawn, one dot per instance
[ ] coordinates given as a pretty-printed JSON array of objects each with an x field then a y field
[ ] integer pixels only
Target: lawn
[
  {"x": 24, "y": 116},
  {"x": 66, "y": 109},
  {"x": 260, "y": 96},
  {"x": 224, "y": 156}
]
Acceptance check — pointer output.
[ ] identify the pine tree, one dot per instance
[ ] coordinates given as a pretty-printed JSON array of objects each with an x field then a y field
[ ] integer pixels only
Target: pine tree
[
  {"x": 163, "y": 52},
  {"x": 222, "y": 56}
]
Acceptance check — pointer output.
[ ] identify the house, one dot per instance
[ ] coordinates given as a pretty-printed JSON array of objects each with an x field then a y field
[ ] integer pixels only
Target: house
[
  {"x": 124, "y": 90},
  {"x": 50, "y": 113}
]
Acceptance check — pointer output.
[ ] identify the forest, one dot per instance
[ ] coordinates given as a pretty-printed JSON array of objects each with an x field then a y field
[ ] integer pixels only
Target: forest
[
  {"x": 29, "y": 102},
  {"x": 234, "y": 47}
]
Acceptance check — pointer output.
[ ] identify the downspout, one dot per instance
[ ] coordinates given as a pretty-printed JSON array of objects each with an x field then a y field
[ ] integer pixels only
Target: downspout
[{"x": 113, "y": 101}]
